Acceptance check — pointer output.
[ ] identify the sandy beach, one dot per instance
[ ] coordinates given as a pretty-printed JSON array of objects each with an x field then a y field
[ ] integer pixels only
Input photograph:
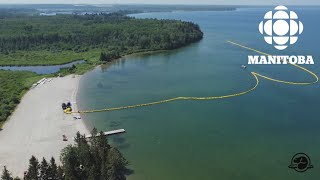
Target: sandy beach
[{"x": 38, "y": 123}]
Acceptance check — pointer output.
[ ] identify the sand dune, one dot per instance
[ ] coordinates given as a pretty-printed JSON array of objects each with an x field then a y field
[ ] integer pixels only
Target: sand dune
[{"x": 37, "y": 125}]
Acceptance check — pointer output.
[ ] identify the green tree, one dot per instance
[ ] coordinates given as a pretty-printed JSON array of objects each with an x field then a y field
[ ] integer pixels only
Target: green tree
[
  {"x": 60, "y": 173},
  {"x": 72, "y": 68},
  {"x": 116, "y": 165},
  {"x": 6, "y": 174},
  {"x": 33, "y": 170},
  {"x": 103, "y": 57},
  {"x": 53, "y": 169},
  {"x": 92, "y": 159},
  {"x": 94, "y": 132},
  {"x": 70, "y": 163},
  {"x": 44, "y": 170}
]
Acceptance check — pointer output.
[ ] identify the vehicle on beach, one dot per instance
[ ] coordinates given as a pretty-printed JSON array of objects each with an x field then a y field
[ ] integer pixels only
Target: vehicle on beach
[{"x": 64, "y": 106}]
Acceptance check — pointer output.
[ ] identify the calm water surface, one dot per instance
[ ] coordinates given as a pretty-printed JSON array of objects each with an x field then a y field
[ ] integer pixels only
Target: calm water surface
[
  {"x": 41, "y": 69},
  {"x": 251, "y": 137}
]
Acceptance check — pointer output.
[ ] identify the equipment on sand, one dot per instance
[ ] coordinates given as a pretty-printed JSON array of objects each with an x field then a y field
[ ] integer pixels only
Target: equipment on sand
[
  {"x": 67, "y": 108},
  {"x": 64, "y": 138}
]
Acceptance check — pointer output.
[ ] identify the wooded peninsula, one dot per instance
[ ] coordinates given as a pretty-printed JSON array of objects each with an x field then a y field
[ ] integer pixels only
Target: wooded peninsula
[
  {"x": 47, "y": 40},
  {"x": 59, "y": 39}
]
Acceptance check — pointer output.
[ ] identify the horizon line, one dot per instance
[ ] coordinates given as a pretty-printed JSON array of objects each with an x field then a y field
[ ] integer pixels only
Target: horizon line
[{"x": 155, "y": 4}]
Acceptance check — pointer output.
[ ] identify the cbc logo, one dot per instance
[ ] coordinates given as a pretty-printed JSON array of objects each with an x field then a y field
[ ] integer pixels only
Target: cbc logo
[{"x": 281, "y": 27}]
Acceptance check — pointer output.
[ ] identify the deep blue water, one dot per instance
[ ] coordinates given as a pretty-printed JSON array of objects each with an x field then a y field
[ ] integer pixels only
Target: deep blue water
[{"x": 248, "y": 137}]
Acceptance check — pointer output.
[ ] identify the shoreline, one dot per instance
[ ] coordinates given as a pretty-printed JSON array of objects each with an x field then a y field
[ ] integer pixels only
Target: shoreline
[
  {"x": 74, "y": 98},
  {"x": 38, "y": 123},
  {"x": 15, "y": 155}
]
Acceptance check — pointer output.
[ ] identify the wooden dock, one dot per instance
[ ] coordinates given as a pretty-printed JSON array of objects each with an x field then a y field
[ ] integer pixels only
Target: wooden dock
[{"x": 109, "y": 133}]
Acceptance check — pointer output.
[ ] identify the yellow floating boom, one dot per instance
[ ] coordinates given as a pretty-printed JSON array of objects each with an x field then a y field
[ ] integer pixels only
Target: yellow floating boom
[{"x": 254, "y": 74}]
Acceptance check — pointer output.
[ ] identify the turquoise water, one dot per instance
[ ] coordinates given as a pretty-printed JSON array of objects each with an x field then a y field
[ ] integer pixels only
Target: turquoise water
[
  {"x": 41, "y": 69},
  {"x": 247, "y": 137}
]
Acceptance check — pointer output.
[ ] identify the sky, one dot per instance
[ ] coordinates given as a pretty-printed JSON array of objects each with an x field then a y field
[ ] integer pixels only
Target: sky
[{"x": 213, "y": 2}]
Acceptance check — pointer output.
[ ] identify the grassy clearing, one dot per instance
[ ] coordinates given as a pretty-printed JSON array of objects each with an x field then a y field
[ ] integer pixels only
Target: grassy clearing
[
  {"x": 13, "y": 85},
  {"x": 29, "y": 58}
]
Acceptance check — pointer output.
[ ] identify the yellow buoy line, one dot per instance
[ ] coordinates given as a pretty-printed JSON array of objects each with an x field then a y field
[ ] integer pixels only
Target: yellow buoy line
[
  {"x": 280, "y": 81},
  {"x": 254, "y": 74}
]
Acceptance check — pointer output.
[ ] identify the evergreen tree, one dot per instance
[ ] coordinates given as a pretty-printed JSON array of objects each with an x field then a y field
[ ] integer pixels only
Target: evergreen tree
[
  {"x": 6, "y": 174},
  {"x": 53, "y": 169},
  {"x": 33, "y": 171},
  {"x": 72, "y": 68},
  {"x": 44, "y": 170},
  {"x": 93, "y": 160},
  {"x": 116, "y": 165},
  {"x": 60, "y": 173},
  {"x": 103, "y": 57},
  {"x": 94, "y": 132},
  {"x": 70, "y": 163},
  {"x": 77, "y": 139}
]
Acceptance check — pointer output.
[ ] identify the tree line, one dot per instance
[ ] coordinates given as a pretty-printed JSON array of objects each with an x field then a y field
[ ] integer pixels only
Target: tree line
[
  {"x": 92, "y": 159},
  {"x": 90, "y": 31}
]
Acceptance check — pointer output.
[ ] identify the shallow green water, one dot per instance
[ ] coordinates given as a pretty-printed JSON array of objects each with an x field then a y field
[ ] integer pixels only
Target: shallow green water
[{"x": 248, "y": 137}]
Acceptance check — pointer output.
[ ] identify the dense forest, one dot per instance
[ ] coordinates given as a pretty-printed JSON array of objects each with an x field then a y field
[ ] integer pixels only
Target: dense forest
[
  {"x": 43, "y": 36},
  {"x": 92, "y": 159}
]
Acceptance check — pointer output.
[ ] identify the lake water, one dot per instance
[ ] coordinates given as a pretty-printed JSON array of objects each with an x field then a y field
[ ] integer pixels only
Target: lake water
[
  {"x": 248, "y": 137},
  {"x": 41, "y": 69}
]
